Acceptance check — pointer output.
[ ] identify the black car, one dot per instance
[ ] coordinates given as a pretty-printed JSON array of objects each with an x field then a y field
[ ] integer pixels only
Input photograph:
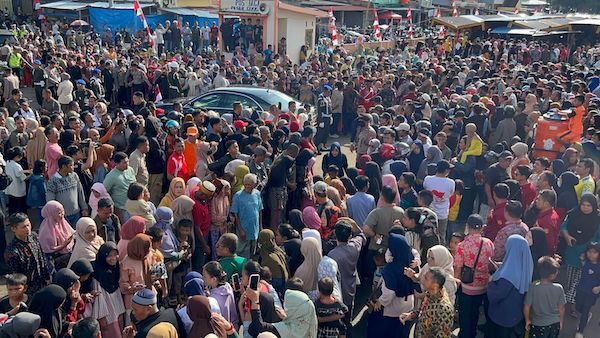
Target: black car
[{"x": 222, "y": 99}]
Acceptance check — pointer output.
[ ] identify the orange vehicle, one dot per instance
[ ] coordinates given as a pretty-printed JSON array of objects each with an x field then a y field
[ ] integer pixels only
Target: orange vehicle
[{"x": 551, "y": 133}]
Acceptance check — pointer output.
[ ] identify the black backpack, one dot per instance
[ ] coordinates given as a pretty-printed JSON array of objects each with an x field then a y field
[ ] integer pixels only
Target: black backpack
[{"x": 5, "y": 180}]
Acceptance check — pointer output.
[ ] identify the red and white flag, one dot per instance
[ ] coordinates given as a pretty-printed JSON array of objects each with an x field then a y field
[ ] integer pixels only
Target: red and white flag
[
  {"x": 477, "y": 11},
  {"x": 411, "y": 33},
  {"x": 409, "y": 15},
  {"x": 454, "y": 11},
  {"x": 157, "y": 94},
  {"x": 516, "y": 10},
  {"x": 38, "y": 9},
  {"x": 376, "y": 26},
  {"x": 139, "y": 12},
  {"x": 334, "y": 38},
  {"x": 442, "y": 32},
  {"x": 438, "y": 12}
]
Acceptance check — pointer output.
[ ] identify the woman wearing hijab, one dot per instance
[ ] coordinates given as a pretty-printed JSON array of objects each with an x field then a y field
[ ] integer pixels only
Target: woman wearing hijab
[
  {"x": 73, "y": 308},
  {"x": 182, "y": 208},
  {"x": 396, "y": 292},
  {"x": 102, "y": 165},
  {"x": 176, "y": 189},
  {"x": 438, "y": 256},
  {"x": 36, "y": 145},
  {"x": 329, "y": 268},
  {"x": 300, "y": 320},
  {"x": 361, "y": 163},
  {"x": 23, "y": 324},
  {"x": 135, "y": 268},
  {"x": 98, "y": 192},
  {"x": 334, "y": 196},
  {"x": 340, "y": 187},
  {"x": 84, "y": 269},
  {"x": 566, "y": 196},
  {"x": 240, "y": 172},
  {"x": 558, "y": 167},
  {"x": 373, "y": 172},
  {"x": 87, "y": 241},
  {"x": 416, "y": 157},
  {"x": 200, "y": 313},
  {"x": 46, "y": 303},
  {"x": 570, "y": 158},
  {"x": 352, "y": 174},
  {"x": 135, "y": 225},
  {"x": 193, "y": 285},
  {"x": 580, "y": 228},
  {"x": 56, "y": 234},
  {"x": 335, "y": 157},
  {"x": 433, "y": 156},
  {"x": 312, "y": 225},
  {"x": 303, "y": 195},
  {"x": 506, "y": 291},
  {"x": 273, "y": 257},
  {"x": 163, "y": 330},
  {"x": 520, "y": 150},
  {"x": 390, "y": 181},
  {"x": 307, "y": 271}
]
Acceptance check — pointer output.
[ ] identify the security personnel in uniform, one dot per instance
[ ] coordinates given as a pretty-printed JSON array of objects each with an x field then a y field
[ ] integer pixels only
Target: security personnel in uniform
[
  {"x": 173, "y": 79},
  {"x": 39, "y": 80},
  {"x": 324, "y": 116}
]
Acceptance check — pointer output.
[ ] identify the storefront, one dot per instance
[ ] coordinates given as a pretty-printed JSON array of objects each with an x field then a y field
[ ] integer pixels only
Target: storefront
[{"x": 278, "y": 20}]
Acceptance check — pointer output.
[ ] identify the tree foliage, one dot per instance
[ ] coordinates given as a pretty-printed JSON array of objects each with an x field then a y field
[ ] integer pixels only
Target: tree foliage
[{"x": 582, "y": 6}]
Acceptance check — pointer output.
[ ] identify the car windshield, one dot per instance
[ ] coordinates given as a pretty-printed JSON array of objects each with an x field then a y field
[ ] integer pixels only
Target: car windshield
[{"x": 275, "y": 97}]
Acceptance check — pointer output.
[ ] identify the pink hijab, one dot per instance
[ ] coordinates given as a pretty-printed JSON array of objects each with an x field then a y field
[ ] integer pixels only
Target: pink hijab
[
  {"x": 99, "y": 188},
  {"x": 389, "y": 180},
  {"x": 311, "y": 218},
  {"x": 54, "y": 229}
]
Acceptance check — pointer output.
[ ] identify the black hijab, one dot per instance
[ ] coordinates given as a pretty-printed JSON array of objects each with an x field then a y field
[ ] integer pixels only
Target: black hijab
[
  {"x": 107, "y": 275},
  {"x": 267, "y": 308},
  {"x": 582, "y": 226},
  {"x": 46, "y": 303},
  {"x": 83, "y": 267},
  {"x": 373, "y": 172},
  {"x": 349, "y": 185},
  {"x": 352, "y": 174},
  {"x": 415, "y": 159},
  {"x": 296, "y": 221},
  {"x": 65, "y": 278},
  {"x": 539, "y": 248}
]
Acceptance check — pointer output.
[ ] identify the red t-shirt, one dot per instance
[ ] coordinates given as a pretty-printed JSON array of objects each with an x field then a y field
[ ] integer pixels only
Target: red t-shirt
[
  {"x": 550, "y": 222},
  {"x": 177, "y": 166},
  {"x": 528, "y": 194},
  {"x": 495, "y": 221},
  {"x": 201, "y": 214}
]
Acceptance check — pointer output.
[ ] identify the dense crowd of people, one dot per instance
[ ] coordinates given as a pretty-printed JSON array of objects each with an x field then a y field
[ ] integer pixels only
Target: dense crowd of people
[{"x": 127, "y": 220}]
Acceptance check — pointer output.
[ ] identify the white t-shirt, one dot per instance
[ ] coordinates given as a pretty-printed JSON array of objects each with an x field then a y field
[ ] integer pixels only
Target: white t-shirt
[{"x": 442, "y": 188}]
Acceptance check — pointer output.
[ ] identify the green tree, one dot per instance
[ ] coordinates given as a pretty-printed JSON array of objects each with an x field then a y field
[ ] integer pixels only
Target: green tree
[{"x": 582, "y": 6}]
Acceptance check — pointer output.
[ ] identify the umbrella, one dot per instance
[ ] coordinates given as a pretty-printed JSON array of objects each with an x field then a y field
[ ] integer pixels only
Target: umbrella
[{"x": 78, "y": 23}]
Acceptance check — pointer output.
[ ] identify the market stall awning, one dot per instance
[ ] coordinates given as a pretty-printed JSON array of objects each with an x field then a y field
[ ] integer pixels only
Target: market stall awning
[
  {"x": 344, "y": 8},
  {"x": 389, "y": 15},
  {"x": 459, "y": 22},
  {"x": 117, "y": 5},
  {"x": 534, "y": 3},
  {"x": 545, "y": 23},
  {"x": 191, "y": 12},
  {"x": 527, "y": 32},
  {"x": 65, "y": 5}
]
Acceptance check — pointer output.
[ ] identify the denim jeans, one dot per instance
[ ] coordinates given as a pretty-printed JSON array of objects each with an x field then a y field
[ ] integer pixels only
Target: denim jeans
[{"x": 72, "y": 219}]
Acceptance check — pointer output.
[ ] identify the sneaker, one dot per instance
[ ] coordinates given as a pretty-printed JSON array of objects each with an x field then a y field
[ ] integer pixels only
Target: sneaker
[{"x": 334, "y": 136}]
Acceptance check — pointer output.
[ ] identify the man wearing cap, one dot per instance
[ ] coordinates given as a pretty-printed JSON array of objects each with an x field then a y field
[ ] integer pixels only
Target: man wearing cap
[
  {"x": 247, "y": 208},
  {"x": 173, "y": 80},
  {"x": 145, "y": 310},
  {"x": 203, "y": 194},
  {"x": 82, "y": 95},
  {"x": 324, "y": 117},
  {"x": 39, "y": 80},
  {"x": 473, "y": 294},
  {"x": 442, "y": 188}
]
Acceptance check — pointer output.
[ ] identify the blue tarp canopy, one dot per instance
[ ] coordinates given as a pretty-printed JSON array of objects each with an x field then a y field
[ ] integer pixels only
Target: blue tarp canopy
[
  {"x": 65, "y": 5},
  {"x": 192, "y": 15}
]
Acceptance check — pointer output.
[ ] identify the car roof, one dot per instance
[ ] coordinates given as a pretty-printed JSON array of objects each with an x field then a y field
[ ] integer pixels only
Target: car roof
[{"x": 244, "y": 90}]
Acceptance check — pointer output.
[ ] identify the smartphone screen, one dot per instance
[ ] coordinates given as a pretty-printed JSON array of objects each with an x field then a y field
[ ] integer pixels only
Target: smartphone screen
[
  {"x": 235, "y": 278},
  {"x": 254, "y": 279}
]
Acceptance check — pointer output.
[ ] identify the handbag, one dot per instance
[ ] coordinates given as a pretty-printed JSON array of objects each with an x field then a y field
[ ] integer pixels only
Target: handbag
[{"x": 467, "y": 274}]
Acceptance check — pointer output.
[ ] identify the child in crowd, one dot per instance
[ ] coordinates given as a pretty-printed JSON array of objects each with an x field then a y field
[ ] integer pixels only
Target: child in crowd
[
  {"x": 330, "y": 311},
  {"x": 588, "y": 287},
  {"x": 16, "y": 300},
  {"x": 474, "y": 142},
  {"x": 455, "y": 240},
  {"x": 425, "y": 198},
  {"x": 137, "y": 204},
  {"x": 455, "y": 198},
  {"x": 215, "y": 278},
  {"x": 184, "y": 235},
  {"x": 379, "y": 260},
  {"x": 332, "y": 173},
  {"x": 408, "y": 195},
  {"x": 544, "y": 307},
  {"x": 158, "y": 270}
]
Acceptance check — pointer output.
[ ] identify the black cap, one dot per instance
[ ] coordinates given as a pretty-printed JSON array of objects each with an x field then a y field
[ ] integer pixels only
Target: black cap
[
  {"x": 443, "y": 165},
  {"x": 475, "y": 221},
  {"x": 505, "y": 155}
]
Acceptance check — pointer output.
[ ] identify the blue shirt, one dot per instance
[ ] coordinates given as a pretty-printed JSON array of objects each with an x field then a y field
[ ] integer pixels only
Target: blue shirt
[
  {"x": 590, "y": 278},
  {"x": 359, "y": 207},
  {"x": 247, "y": 208}
]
